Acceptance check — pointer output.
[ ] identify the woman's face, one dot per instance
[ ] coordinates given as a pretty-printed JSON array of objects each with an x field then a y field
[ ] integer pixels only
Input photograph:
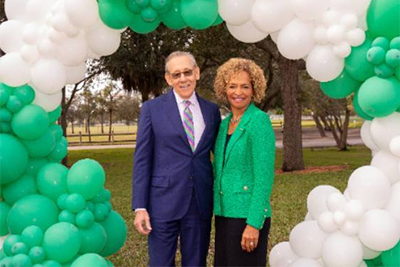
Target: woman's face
[{"x": 239, "y": 90}]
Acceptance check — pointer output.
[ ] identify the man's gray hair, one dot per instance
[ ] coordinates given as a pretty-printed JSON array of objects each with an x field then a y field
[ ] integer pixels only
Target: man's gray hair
[{"x": 179, "y": 54}]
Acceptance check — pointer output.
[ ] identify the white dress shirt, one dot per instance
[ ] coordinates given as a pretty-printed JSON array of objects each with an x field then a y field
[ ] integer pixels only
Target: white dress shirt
[{"x": 198, "y": 120}]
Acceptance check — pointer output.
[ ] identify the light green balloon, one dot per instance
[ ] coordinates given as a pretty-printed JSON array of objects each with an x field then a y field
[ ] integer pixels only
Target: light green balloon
[
  {"x": 4, "y": 209},
  {"x": 173, "y": 19},
  {"x": 383, "y": 18},
  {"x": 199, "y": 14},
  {"x": 32, "y": 236},
  {"x": 24, "y": 186},
  {"x": 218, "y": 20},
  {"x": 25, "y": 94},
  {"x": 93, "y": 239},
  {"x": 393, "y": 58},
  {"x": 6, "y": 262},
  {"x": 115, "y": 228},
  {"x": 357, "y": 65},
  {"x": 59, "y": 152},
  {"x": 32, "y": 210},
  {"x": 161, "y": 5},
  {"x": 20, "y": 248},
  {"x": 61, "y": 201},
  {"x": 395, "y": 43},
  {"x": 5, "y": 92},
  {"x": 5, "y": 115},
  {"x": 379, "y": 97},
  {"x": 30, "y": 123},
  {"x": 376, "y": 55},
  {"x": 54, "y": 115},
  {"x": 84, "y": 219},
  {"x": 89, "y": 260},
  {"x": 341, "y": 87},
  {"x": 57, "y": 131},
  {"x": 140, "y": 26},
  {"x": 2, "y": 254},
  {"x": 37, "y": 254},
  {"x": 143, "y": 3},
  {"x": 114, "y": 13},
  {"x": 34, "y": 166},
  {"x": 75, "y": 203},
  {"x": 381, "y": 42},
  {"x": 62, "y": 242},
  {"x": 9, "y": 242},
  {"x": 5, "y": 127},
  {"x": 52, "y": 180},
  {"x": 67, "y": 216},
  {"x": 397, "y": 73},
  {"x": 391, "y": 257},
  {"x": 149, "y": 14},
  {"x": 101, "y": 212},
  {"x": 42, "y": 146},
  {"x": 358, "y": 109},
  {"x": 51, "y": 263},
  {"x": 86, "y": 177},
  {"x": 14, "y": 104},
  {"x": 133, "y": 6},
  {"x": 13, "y": 159},
  {"x": 21, "y": 260}
]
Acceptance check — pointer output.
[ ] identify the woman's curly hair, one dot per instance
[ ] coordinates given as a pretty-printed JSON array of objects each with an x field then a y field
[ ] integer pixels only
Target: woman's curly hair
[{"x": 235, "y": 65}]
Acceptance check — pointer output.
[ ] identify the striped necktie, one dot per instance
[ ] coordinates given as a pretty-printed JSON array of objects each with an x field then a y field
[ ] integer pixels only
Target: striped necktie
[{"x": 188, "y": 124}]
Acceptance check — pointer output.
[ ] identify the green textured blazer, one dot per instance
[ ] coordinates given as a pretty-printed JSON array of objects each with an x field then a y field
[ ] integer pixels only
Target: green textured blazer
[{"x": 244, "y": 176}]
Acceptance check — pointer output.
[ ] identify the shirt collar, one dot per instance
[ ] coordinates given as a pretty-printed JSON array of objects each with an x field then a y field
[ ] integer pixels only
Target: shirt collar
[{"x": 193, "y": 99}]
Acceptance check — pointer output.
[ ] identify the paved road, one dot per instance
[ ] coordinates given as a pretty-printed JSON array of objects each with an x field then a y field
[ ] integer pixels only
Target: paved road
[{"x": 311, "y": 138}]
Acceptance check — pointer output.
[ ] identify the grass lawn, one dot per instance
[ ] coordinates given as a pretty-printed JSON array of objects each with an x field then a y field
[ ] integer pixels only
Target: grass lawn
[{"x": 288, "y": 197}]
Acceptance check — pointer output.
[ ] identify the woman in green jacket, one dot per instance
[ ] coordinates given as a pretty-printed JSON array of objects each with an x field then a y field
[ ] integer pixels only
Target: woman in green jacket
[{"x": 243, "y": 167}]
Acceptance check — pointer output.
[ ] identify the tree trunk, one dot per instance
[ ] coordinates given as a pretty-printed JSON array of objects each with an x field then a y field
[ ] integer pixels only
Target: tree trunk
[
  {"x": 292, "y": 135},
  {"x": 345, "y": 131},
  {"x": 72, "y": 126},
  {"x": 64, "y": 123},
  {"x": 102, "y": 122},
  {"x": 88, "y": 129},
  {"x": 319, "y": 125},
  {"x": 111, "y": 122}
]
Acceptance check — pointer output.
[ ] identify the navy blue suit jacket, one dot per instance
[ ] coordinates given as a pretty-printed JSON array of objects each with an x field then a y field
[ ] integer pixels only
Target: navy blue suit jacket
[{"x": 165, "y": 168}]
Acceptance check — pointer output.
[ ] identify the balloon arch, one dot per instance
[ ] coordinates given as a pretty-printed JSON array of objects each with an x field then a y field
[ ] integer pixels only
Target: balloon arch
[{"x": 58, "y": 217}]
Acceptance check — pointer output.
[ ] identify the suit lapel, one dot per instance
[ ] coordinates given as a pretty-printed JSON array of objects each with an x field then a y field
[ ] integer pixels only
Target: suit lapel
[{"x": 207, "y": 120}]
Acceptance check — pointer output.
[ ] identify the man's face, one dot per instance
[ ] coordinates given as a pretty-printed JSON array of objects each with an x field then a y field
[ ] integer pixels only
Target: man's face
[{"x": 182, "y": 76}]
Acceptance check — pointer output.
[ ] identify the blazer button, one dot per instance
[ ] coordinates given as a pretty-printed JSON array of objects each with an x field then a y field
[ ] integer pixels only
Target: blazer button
[
  {"x": 245, "y": 188},
  {"x": 190, "y": 177}
]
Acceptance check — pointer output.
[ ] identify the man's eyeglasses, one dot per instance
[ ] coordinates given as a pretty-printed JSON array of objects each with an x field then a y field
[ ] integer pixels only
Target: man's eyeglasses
[{"x": 178, "y": 75}]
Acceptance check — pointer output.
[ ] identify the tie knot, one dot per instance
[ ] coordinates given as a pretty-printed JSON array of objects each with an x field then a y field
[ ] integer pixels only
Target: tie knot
[{"x": 186, "y": 103}]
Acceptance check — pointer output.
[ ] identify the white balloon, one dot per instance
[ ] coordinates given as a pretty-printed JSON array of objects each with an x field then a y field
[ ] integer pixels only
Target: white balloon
[
  {"x": 336, "y": 201},
  {"x": 304, "y": 262},
  {"x": 309, "y": 9},
  {"x": 354, "y": 210},
  {"x": 388, "y": 164},
  {"x": 29, "y": 53},
  {"x": 75, "y": 74},
  {"x": 56, "y": 36},
  {"x": 350, "y": 228},
  {"x": 15, "y": 9},
  {"x": 102, "y": 40},
  {"x": 326, "y": 222},
  {"x": 91, "y": 54},
  {"x": 60, "y": 22},
  {"x": 394, "y": 146},
  {"x": 342, "y": 50},
  {"x": 31, "y": 32},
  {"x": 13, "y": 70},
  {"x": 355, "y": 37},
  {"x": 308, "y": 217},
  {"x": 296, "y": 39},
  {"x": 82, "y": 13},
  {"x": 235, "y": 12},
  {"x": 316, "y": 200},
  {"x": 306, "y": 239},
  {"x": 349, "y": 21},
  {"x": 47, "y": 102},
  {"x": 72, "y": 51},
  {"x": 366, "y": 135},
  {"x": 336, "y": 34},
  {"x": 48, "y": 76},
  {"x": 393, "y": 205},
  {"x": 246, "y": 32},
  {"x": 11, "y": 36},
  {"x": 274, "y": 36},
  {"x": 369, "y": 254},
  {"x": 320, "y": 35},
  {"x": 369, "y": 185},
  {"x": 339, "y": 217},
  {"x": 323, "y": 65},
  {"x": 384, "y": 129},
  {"x": 271, "y": 15},
  {"x": 330, "y": 17},
  {"x": 341, "y": 250},
  {"x": 46, "y": 48},
  {"x": 282, "y": 253},
  {"x": 379, "y": 230},
  {"x": 72, "y": 31},
  {"x": 38, "y": 9},
  {"x": 355, "y": 6},
  {"x": 362, "y": 22}
]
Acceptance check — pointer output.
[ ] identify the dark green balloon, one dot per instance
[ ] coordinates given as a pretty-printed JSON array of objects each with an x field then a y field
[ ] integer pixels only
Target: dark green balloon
[
  {"x": 341, "y": 87},
  {"x": 391, "y": 257},
  {"x": 14, "y": 104},
  {"x": 397, "y": 73},
  {"x": 25, "y": 93},
  {"x": 34, "y": 166},
  {"x": 41, "y": 147},
  {"x": 381, "y": 42},
  {"x": 383, "y": 71},
  {"x": 149, "y": 14},
  {"x": 140, "y": 26},
  {"x": 59, "y": 152},
  {"x": 5, "y": 92},
  {"x": 24, "y": 186},
  {"x": 358, "y": 109},
  {"x": 218, "y": 20},
  {"x": 357, "y": 65},
  {"x": 5, "y": 115},
  {"x": 161, "y": 5},
  {"x": 376, "y": 55},
  {"x": 4, "y": 209},
  {"x": 199, "y": 14},
  {"x": 115, "y": 228},
  {"x": 393, "y": 58},
  {"x": 90, "y": 259},
  {"x": 54, "y": 115},
  {"x": 133, "y": 6},
  {"x": 30, "y": 123},
  {"x": 383, "y": 18},
  {"x": 173, "y": 19},
  {"x": 93, "y": 239},
  {"x": 143, "y": 3},
  {"x": 37, "y": 254},
  {"x": 5, "y": 127},
  {"x": 114, "y": 13}
]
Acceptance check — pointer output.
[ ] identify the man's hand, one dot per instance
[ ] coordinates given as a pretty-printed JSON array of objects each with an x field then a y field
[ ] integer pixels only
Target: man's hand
[
  {"x": 142, "y": 222},
  {"x": 250, "y": 238}
]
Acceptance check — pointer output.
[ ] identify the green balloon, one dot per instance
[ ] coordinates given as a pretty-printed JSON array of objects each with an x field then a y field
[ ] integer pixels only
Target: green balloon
[
  {"x": 24, "y": 186},
  {"x": 5, "y": 127},
  {"x": 379, "y": 97},
  {"x": 52, "y": 180},
  {"x": 84, "y": 219},
  {"x": 149, "y": 14},
  {"x": 42, "y": 146},
  {"x": 54, "y": 115},
  {"x": 357, "y": 65},
  {"x": 67, "y": 216},
  {"x": 89, "y": 260},
  {"x": 32, "y": 210},
  {"x": 116, "y": 233},
  {"x": 51, "y": 263},
  {"x": 397, "y": 73},
  {"x": 6, "y": 262},
  {"x": 218, "y": 20},
  {"x": 110, "y": 264},
  {"x": 383, "y": 18},
  {"x": 114, "y": 13},
  {"x": 383, "y": 71},
  {"x": 61, "y": 242},
  {"x": 102, "y": 196},
  {"x": 32, "y": 236},
  {"x": 25, "y": 94},
  {"x": 381, "y": 42},
  {"x": 5, "y": 115},
  {"x": 391, "y": 257},
  {"x": 161, "y": 5},
  {"x": 2, "y": 254},
  {"x": 4, "y": 209},
  {"x": 133, "y": 6},
  {"x": 143, "y": 3},
  {"x": 93, "y": 239},
  {"x": 34, "y": 166},
  {"x": 86, "y": 177},
  {"x": 5, "y": 92},
  {"x": 341, "y": 87},
  {"x": 140, "y": 26},
  {"x": 62, "y": 201},
  {"x": 13, "y": 159},
  {"x": 199, "y": 14},
  {"x": 14, "y": 104},
  {"x": 30, "y": 123},
  {"x": 173, "y": 19},
  {"x": 358, "y": 109},
  {"x": 37, "y": 254},
  {"x": 376, "y": 55},
  {"x": 75, "y": 203},
  {"x": 19, "y": 248},
  {"x": 393, "y": 58},
  {"x": 21, "y": 260},
  {"x": 9, "y": 242},
  {"x": 101, "y": 212},
  {"x": 59, "y": 152},
  {"x": 395, "y": 43}
]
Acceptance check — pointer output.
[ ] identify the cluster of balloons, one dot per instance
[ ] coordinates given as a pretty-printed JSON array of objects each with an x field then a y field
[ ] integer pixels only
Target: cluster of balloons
[
  {"x": 47, "y": 44},
  {"x": 144, "y": 16},
  {"x": 385, "y": 56}
]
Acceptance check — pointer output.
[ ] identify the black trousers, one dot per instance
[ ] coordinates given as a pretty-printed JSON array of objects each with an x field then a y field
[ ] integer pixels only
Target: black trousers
[{"x": 228, "y": 249}]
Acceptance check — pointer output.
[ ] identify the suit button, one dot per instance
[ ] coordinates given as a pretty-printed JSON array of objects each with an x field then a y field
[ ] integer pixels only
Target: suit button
[
  {"x": 190, "y": 177},
  {"x": 245, "y": 188},
  {"x": 221, "y": 193}
]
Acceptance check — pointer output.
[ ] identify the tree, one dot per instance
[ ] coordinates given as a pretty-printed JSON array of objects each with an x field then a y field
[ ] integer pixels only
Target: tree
[
  {"x": 88, "y": 107},
  {"x": 128, "y": 108}
]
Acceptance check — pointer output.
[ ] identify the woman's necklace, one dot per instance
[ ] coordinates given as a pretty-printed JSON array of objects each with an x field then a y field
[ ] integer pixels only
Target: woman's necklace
[{"x": 236, "y": 120}]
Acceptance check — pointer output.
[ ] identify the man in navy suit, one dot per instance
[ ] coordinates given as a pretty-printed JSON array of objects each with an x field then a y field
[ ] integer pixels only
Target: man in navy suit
[{"x": 173, "y": 176}]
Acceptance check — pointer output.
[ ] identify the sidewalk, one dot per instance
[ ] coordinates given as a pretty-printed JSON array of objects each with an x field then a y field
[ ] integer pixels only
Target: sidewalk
[{"x": 311, "y": 138}]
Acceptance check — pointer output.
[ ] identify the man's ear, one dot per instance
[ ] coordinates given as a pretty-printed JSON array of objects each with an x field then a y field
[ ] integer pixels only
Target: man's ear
[
  {"x": 197, "y": 73},
  {"x": 168, "y": 79}
]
